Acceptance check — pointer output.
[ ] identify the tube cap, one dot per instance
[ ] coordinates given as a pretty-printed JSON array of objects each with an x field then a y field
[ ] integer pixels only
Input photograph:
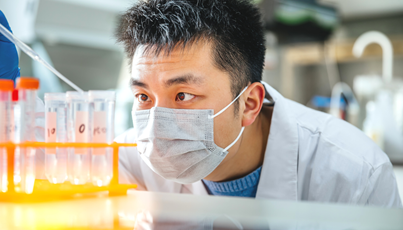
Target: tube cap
[
  {"x": 27, "y": 83},
  {"x": 6, "y": 85}
]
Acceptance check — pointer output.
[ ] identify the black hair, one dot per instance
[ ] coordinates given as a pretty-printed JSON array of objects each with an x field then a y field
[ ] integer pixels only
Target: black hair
[{"x": 233, "y": 26}]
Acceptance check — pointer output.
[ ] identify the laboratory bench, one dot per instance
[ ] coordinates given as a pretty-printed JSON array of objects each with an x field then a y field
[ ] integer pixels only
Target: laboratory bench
[{"x": 151, "y": 210}]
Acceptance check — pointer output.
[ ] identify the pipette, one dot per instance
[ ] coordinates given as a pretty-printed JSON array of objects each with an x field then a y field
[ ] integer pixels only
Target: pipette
[{"x": 35, "y": 56}]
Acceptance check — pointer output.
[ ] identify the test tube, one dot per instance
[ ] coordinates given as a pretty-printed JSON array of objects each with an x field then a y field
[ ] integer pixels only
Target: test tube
[
  {"x": 56, "y": 131},
  {"x": 102, "y": 107},
  {"x": 6, "y": 87},
  {"x": 16, "y": 125},
  {"x": 24, "y": 121},
  {"x": 78, "y": 130}
]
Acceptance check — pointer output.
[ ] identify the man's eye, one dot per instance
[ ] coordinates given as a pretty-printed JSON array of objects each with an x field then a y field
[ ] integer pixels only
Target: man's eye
[
  {"x": 184, "y": 97},
  {"x": 142, "y": 98}
]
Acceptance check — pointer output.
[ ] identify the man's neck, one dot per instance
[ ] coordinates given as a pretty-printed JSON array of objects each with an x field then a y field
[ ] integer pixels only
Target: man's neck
[{"x": 251, "y": 153}]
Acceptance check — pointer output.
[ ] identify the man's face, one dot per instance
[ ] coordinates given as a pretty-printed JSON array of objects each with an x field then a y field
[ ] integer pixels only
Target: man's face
[{"x": 186, "y": 79}]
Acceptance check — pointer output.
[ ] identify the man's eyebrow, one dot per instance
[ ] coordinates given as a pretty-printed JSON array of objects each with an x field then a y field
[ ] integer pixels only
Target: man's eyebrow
[
  {"x": 138, "y": 83},
  {"x": 185, "y": 79}
]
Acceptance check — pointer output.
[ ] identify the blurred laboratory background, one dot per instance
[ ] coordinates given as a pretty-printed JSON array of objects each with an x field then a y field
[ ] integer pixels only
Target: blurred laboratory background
[{"x": 309, "y": 56}]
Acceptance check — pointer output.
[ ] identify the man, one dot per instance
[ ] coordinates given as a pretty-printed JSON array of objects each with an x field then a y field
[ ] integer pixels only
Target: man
[
  {"x": 191, "y": 59},
  {"x": 206, "y": 124}
]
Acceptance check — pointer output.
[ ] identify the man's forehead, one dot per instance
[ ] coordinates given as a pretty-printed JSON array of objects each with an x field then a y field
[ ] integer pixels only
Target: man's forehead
[
  {"x": 146, "y": 54},
  {"x": 192, "y": 65}
]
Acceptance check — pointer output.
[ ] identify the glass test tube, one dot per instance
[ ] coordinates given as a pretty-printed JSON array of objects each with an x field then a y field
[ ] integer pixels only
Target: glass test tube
[
  {"x": 56, "y": 131},
  {"x": 24, "y": 118},
  {"x": 78, "y": 130},
  {"x": 102, "y": 107},
  {"x": 6, "y": 87}
]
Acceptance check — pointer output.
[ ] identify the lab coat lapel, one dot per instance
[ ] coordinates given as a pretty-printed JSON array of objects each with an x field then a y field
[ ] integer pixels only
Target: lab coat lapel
[{"x": 278, "y": 179}]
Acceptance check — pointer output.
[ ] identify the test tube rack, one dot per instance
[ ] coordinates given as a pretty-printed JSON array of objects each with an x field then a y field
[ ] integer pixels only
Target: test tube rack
[{"x": 45, "y": 191}]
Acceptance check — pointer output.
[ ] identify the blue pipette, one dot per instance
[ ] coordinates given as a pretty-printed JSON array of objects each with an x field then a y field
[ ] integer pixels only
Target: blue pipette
[{"x": 35, "y": 56}]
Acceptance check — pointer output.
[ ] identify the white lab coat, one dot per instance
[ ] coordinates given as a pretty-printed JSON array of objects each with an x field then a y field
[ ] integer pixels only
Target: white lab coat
[{"x": 309, "y": 156}]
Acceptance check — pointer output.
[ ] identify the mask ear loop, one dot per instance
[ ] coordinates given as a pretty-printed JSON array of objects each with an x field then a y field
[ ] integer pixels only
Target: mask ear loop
[
  {"x": 233, "y": 143},
  {"x": 226, "y": 107}
]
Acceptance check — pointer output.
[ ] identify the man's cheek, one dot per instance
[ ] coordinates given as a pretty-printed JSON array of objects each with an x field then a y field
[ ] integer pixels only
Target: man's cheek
[{"x": 223, "y": 130}]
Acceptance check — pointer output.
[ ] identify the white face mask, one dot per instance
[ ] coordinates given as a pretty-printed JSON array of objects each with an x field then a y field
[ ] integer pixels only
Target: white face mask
[{"x": 178, "y": 144}]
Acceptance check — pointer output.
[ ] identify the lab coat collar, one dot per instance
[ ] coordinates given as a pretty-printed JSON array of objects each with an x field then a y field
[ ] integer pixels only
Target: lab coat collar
[
  {"x": 278, "y": 179},
  {"x": 197, "y": 188}
]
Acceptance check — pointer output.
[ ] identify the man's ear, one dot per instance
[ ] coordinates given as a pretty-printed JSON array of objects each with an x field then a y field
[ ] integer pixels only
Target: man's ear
[{"x": 253, "y": 99}]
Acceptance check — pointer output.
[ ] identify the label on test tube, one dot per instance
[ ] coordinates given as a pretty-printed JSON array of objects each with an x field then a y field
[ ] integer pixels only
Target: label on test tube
[
  {"x": 81, "y": 130},
  {"x": 99, "y": 133},
  {"x": 14, "y": 127},
  {"x": 50, "y": 130},
  {"x": 3, "y": 122}
]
